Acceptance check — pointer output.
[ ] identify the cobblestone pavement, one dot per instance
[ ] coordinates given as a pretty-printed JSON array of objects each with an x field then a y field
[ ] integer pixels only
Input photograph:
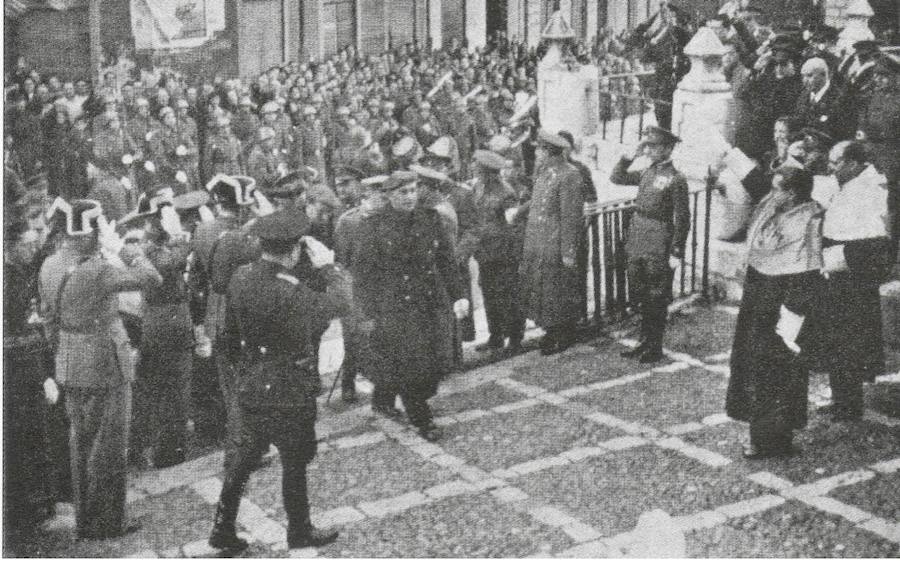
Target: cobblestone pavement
[{"x": 557, "y": 456}]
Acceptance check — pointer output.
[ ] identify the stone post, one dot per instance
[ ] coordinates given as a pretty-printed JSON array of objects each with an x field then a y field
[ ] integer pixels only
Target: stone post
[
  {"x": 857, "y": 15},
  {"x": 568, "y": 96},
  {"x": 703, "y": 107}
]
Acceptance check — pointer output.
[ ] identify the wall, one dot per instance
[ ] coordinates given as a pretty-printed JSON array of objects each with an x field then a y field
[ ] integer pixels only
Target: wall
[{"x": 57, "y": 42}]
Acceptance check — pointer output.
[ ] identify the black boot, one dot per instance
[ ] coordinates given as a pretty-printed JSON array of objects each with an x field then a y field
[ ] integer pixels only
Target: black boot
[
  {"x": 493, "y": 343},
  {"x": 311, "y": 537},
  {"x": 224, "y": 536}
]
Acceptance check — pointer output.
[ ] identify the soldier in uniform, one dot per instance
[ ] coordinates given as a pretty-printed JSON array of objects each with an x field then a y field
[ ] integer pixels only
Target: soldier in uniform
[
  {"x": 310, "y": 134},
  {"x": 113, "y": 195},
  {"x": 245, "y": 123},
  {"x": 549, "y": 273},
  {"x": 174, "y": 154},
  {"x": 94, "y": 365},
  {"x": 656, "y": 236},
  {"x": 223, "y": 149},
  {"x": 498, "y": 251},
  {"x": 274, "y": 323},
  {"x": 407, "y": 280},
  {"x": 220, "y": 247},
  {"x": 265, "y": 163}
]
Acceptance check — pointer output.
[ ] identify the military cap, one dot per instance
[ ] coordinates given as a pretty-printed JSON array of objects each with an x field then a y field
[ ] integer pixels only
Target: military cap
[
  {"x": 398, "y": 179},
  {"x": 343, "y": 110},
  {"x": 373, "y": 102},
  {"x": 425, "y": 105},
  {"x": 499, "y": 143},
  {"x": 441, "y": 148},
  {"x": 388, "y": 104},
  {"x": 656, "y": 135},
  {"x": 109, "y": 98},
  {"x": 821, "y": 137},
  {"x": 223, "y": 119},
  {"x": 141, "y": 101},
  {"x": 319, "y": 193},
  {"x": 190, "y": 200},
  {"x": 181, "y": 103},
  {"x": 548, "y": 138},
  {"x": 404, "y": 146},
  {"x": 237, "y": 190},
  {"x": 290, "y": 185},
  {"x": 265, "y": 133},
  {"x": 429, "y": 173},
  {"x": 309, "y": 109},
  {"x": 246, "y": 101},
  {"x": 147, "y": 207},
  {"x": 490, "y": 159},
  {"x": 374, "y": 181},
  {"x": 785, "y": 44},
  {"x": 886, "y": 64},
  {"x": 269, "y": 107},
  {"x": 166, "y": 110},
  {"x": 79, "y": 216},
  {"x": 284, "y": 225}
]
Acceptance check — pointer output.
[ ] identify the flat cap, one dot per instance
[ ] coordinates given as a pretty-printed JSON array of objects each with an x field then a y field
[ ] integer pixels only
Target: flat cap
[
  {"x": 490, "y": 159},
  {"x": 549, "y": 138},
  {"x": 398, "y": 179},
  {"x": 284, "y": 225},
  {"x": 656, "y": 135}
]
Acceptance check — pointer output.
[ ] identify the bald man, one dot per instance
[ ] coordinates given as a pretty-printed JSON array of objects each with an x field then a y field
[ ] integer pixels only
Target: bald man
[{"x": 823, "y": 104}]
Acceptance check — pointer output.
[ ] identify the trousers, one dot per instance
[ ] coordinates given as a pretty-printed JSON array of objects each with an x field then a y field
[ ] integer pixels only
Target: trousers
[{"x": 650, "y": 281}]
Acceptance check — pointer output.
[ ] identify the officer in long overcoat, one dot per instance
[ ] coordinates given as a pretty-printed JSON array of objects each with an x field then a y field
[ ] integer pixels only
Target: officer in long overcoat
[
  {"x": 274, "y": 323},
  {"x": 94, "y": 366},
  {"x": 223, "y": 150},
  {"x": 548, "y": 272},
  {"x": 408, "y": 284},
  {"x": 656, "y": 236}
]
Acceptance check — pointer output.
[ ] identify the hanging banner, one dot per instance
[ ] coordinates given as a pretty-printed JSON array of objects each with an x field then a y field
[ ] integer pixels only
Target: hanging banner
[{"x": 173, "y": 24}]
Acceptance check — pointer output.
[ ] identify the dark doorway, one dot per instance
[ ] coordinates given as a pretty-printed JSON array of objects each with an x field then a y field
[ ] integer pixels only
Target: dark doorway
[{"x": 496, "y": 17}]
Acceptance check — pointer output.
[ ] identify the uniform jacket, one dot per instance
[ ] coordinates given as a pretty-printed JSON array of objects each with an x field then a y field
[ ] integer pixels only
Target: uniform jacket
[
  {"x": 662, "y": 216},
  {"x": 223, "y": 155},
  {"x": 93, "y": 347},
  {"x": 831, "y": 113},
  {"x": 550, "y": 289},
  {"x": 113, "y": 196},
  {"x": 262, "y": 165},
  {"x": 166, "y": 320},
  {"x": 879, "y": 118}
]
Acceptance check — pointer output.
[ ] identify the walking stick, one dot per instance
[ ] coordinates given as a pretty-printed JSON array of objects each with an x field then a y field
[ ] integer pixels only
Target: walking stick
[{"x": 338, "y": 377}]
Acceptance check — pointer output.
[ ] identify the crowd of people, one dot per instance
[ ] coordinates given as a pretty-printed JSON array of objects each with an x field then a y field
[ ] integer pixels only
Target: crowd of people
[{"x": 186, "y": 245}]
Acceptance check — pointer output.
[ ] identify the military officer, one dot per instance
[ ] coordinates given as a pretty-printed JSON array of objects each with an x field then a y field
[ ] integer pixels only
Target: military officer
[
  {"x": 174, "y": 154},
  {"x": 409, "y": 286},
  {"x": 94, "y": 363},
  {"x": 310, "y": 134},
  {"x": 223, "y": 148},
  {"x": 656, "y": 236},
  {"x": 274, "y": 323},
  {"x": 246, "y": 123},
  {"x": 548, "y": 271}
]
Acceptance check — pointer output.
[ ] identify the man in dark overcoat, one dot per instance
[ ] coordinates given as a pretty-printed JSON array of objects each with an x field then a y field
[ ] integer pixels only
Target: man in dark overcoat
[
  {"x": 548, "y": 271},
  {"x": 656, "y": 236},
  {"x": 823, "y": 104},
  {"x": 94, "y": 366},
  {"x": 408, "y": 284},
  {"x": 274, "y": 323}
]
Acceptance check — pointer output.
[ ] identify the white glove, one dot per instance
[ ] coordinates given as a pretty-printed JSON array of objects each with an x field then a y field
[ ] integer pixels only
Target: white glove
[
  {"x": 170, "y": 222},
  {"x": 319, "y": 254},
  {"x": 149, "y": 166},
  {"x": 282, "y": 169},
  {"x": 110, "y": 241},
  {"x": 148, "y": 136},
  {"x": 674, "y": 262},
  {"x": 263, "y": 205},
  {"x": 788, "y": 328},
  {"x": 180, "y": 150},
  {"x": 834, "y": 259},
  {"x": 51, "y": 391},
  {"x": 126, "y": 182},
  {"x": 461, "y": 308},
  {"x": 181, "y": 177},
  {"x": 206, "y": 214},
  {"x": 511, "y": 214},
  {"x": 127, "y": 159}
]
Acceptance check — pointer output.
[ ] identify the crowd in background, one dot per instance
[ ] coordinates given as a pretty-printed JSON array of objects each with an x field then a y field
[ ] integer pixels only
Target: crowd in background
[{"x": 321, "y": 136}]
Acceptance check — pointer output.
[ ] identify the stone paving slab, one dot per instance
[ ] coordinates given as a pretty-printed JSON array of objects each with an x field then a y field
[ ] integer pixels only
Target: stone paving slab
[
  {"x": 812, "y": 534},
  {"x": 700, "y": 331},
  {"x": 879, "y": 496},
  {"x": 522, "y": 435},
  {"x": 665, "y": 399},
  {"x": 483, "y": 397},
  {"x": 585, "y": 366},
  {"x": 595, "y": 489}
]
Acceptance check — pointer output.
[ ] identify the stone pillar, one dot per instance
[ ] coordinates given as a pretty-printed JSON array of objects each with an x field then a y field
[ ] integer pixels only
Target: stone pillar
[
  {"x": 476, "y": 23},
  {"x": 567, "y": 99},
  {"x": 857, "y": 16},
  {"x": 435, "y": 31},
  {"x": 590, "y": 21},
  {"x": 703, "y": 105}
]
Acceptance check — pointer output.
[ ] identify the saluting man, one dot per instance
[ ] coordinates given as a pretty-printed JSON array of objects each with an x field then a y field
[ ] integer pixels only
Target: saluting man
[
  {"x": 274, "y": 323},
  {"x": 655, "y": 239}
]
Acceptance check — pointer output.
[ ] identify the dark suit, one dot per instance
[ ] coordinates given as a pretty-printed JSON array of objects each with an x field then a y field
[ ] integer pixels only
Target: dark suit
[{"x": 831, "y": 114}]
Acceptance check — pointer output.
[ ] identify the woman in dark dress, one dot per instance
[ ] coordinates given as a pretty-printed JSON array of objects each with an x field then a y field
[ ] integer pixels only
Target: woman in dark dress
[{"x": 769, "y": 380}]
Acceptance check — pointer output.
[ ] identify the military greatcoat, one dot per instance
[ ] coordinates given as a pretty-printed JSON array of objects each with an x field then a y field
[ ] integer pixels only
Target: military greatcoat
[
  {"x": 407, "y": 281},
  {"x": 550, "y": 289}
]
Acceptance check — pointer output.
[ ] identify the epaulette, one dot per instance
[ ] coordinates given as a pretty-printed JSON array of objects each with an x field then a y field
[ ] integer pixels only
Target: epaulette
[{"x": 288, "y": 278}]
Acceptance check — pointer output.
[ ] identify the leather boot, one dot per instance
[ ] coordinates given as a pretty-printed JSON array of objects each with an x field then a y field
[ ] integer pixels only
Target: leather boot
[
  {"x": 311, "y": 537},
  {"x": 224, "y": 536}
]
